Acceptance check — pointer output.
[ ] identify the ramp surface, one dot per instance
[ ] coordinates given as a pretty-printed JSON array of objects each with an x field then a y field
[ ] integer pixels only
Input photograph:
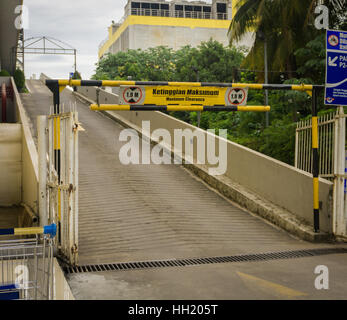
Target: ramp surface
[{"x": 148, "y": 212}]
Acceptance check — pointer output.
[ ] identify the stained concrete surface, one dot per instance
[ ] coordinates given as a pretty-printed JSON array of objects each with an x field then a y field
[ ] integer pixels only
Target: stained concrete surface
[
  {"x": 147, "y": 212},
  {"x": 292, "y": 279}
]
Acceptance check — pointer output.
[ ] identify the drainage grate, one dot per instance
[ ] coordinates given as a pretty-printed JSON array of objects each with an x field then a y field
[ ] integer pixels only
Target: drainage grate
[{"x": 200, "y": 261}]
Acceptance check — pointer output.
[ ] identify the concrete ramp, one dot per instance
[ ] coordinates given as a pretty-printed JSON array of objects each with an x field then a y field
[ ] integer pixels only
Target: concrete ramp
[{"x": 149, "y": 212}]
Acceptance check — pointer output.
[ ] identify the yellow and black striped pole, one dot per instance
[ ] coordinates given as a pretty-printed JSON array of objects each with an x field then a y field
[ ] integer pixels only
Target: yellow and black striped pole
[
  {"x": 117, "y": 107},
  {"x": 61, "y": 84},
  {"x": 315, "y": 155},
  {"x": 56, "y": 89},
  {"x": 48, "y": 230}
]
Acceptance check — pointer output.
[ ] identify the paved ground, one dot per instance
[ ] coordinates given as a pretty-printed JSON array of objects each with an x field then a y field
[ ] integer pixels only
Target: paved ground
[
  {"x": 138, "y": 212},
  {"x": 281, "y": 279}
]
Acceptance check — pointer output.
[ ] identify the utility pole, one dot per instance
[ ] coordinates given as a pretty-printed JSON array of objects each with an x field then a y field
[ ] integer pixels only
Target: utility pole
[
  {"x": 266, "y": 81},
  {"x": 196, "y": 70},
  {"x": 75, "y": 64},
  {"x": 261, "y": 35}
]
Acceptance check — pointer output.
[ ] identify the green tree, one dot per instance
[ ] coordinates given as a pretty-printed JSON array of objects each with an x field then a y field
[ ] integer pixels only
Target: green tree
[
  {"x": 212, "y": 62},
  {"x": 285, "y": 24},
  {"x": 19, "y": 79}
]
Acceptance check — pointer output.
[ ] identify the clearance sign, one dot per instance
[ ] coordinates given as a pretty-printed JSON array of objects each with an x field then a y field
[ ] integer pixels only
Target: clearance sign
[{"x": 184, "y": 96}]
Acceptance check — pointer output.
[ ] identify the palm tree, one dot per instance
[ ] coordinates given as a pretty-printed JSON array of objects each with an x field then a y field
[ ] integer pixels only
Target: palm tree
[{"x": 286, "y": 25}]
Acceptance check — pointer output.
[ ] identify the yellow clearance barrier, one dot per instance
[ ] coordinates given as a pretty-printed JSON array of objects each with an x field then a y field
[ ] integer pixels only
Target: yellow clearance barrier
[
  {"x": 117, "y": 107},
  {"x": 57, "y": 86}
]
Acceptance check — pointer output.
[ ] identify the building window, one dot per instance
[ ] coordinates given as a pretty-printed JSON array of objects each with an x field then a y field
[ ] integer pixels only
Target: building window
[
  {"x": 181, "y": 11},
  {"x": 222, "y": 11},
  {"x": 154, "y": 5},
  {"x": 145, "y": 5},
  {"x": 135, "y": 5},
  {"x": 221, "y": 7}
]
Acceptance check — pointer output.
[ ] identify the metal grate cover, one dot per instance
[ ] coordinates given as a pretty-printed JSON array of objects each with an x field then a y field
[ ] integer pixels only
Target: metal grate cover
[{"x": 200, "y": 261}]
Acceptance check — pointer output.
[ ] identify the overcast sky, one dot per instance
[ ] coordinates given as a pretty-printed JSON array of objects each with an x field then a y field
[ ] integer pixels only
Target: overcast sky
[{"x": 81, "y": 23}]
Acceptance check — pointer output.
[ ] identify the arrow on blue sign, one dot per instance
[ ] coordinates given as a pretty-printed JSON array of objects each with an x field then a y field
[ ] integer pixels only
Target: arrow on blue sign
[
  {"x": 336, "y": 68},
  {"x": 331, "y": 62}
]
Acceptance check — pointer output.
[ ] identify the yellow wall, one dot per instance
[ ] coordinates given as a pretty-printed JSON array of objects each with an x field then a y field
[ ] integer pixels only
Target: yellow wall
[{"x": 164, "y": 21}]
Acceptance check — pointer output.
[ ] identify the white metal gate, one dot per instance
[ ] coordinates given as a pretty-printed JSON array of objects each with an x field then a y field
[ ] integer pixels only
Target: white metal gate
[
  {"x": 58, "y": 185},
  {"x": 332, "y": 159}
]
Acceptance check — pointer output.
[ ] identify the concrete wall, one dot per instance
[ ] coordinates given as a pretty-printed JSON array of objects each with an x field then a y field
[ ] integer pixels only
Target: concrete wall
[
  {"x": 61, "y": 289},
  {"x": 8, "y": 33},
  {"x": 147, "y": 31},
  {"x": 141, "y": 36},
  {"x": 29, "y": 188},
  {"x": 10, "y": 155},
  {"x": 104, "y": 97},
  {"x": 281, "y": 184},
  {"x": 144, "y": 37},
  {"x": 10, "y": 164}
]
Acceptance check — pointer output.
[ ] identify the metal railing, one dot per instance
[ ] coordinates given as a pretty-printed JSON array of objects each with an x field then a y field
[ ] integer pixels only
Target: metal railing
[
  {"x": 192, "y": 14},
  {"x": 58, "y": 137},
  {"x": 150, "y": 12},
  {"x": 222, "y": 16},
  {"x": 176, "y": 14},
  {"x": 327, "y": 125}
]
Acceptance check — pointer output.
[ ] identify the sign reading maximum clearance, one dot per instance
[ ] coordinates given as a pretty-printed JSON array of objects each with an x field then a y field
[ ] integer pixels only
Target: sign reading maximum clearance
[{"x": 180, "y": 95}]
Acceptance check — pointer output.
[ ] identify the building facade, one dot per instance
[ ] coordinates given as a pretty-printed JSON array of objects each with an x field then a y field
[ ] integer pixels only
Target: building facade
[
  {"x": 151, "y": 23},
  {"x": 9, "y": 34}
]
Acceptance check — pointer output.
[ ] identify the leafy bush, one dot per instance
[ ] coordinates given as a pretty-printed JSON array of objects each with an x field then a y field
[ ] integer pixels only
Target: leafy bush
[
  {"x": 19, "y": 79},
  {"x": 4, "y": 73}
]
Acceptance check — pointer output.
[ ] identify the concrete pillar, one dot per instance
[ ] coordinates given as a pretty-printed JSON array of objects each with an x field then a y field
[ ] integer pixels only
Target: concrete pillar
[
  {"x": 42, "y": 153},
  {"x": 340, "y": 217}
]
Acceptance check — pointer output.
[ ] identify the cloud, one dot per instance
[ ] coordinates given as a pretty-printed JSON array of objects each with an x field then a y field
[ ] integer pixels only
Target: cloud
[{"x": 80, "y": 23}]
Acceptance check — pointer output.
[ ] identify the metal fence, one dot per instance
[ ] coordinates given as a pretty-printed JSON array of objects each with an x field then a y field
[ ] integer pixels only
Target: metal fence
[
  {"x": 150, "y": 12},
  {"x": 177, "y": 14},
  {"x": 332, "y": 159},
  {"x": 327, "y": 125},
  {"x": 193, "y": 14},
  {"x": 59, "y": 177}
]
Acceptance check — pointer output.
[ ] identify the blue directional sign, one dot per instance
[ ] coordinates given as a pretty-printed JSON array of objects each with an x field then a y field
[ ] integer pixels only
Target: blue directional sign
[{"x": 336, "y": 68}]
